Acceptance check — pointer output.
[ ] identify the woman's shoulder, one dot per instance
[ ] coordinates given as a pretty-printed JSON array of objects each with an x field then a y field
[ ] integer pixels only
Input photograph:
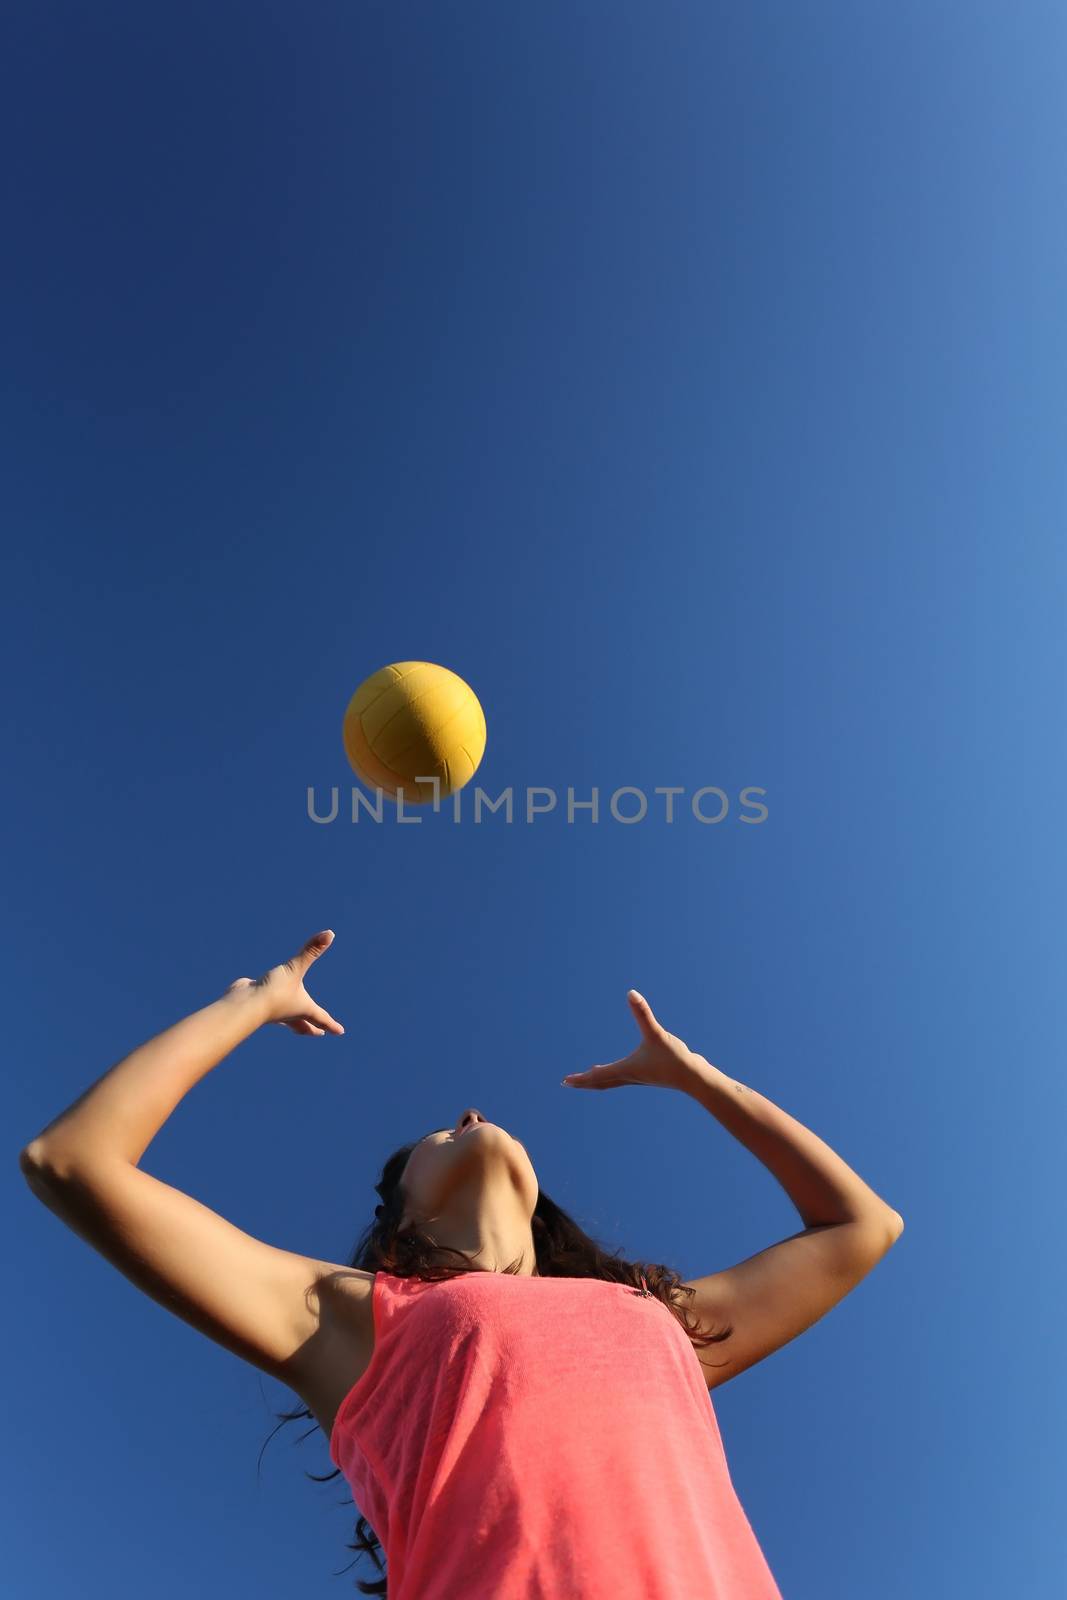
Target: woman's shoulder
[
  {"x": 340, "y": 1349},
  {"x": 334, "y": 1278}
]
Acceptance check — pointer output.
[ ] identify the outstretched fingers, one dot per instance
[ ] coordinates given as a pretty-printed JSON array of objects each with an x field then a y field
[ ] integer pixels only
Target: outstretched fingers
[
  {"x": 327, "y": 1023},
  {"x": 310, "y": 951},
  {"x": 643, "y": 1014},
  {"x": 607, "y": 1075}
]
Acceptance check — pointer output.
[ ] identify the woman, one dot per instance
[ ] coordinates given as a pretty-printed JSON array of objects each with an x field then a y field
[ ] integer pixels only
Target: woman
[{"x": 518, "y": 1412}]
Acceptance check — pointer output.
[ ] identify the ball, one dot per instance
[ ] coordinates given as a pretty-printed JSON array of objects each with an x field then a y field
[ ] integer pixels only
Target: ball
[{"x": 414, "y": 721}]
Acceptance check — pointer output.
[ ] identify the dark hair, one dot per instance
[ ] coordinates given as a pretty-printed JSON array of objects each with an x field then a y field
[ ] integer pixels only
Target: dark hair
[{"x": 561, "y": 1249}]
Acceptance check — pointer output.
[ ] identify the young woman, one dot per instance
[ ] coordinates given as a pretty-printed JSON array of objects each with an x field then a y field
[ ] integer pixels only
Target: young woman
[{"x": 519, "y": 1413}]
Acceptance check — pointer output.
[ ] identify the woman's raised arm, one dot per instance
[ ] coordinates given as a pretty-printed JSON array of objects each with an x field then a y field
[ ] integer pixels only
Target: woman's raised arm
[{"x": 246, "y": 1295}]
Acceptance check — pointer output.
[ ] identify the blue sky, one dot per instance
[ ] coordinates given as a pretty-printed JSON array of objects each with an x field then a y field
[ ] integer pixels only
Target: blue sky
[{"x": 690, "y": 379}]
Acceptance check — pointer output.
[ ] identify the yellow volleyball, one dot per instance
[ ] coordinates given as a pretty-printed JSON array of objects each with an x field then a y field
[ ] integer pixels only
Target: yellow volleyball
[{"x": 412, "y": 722}]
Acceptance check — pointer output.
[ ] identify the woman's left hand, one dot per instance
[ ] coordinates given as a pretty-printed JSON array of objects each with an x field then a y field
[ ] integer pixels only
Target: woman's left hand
[{"x": 661, "y": 1060}]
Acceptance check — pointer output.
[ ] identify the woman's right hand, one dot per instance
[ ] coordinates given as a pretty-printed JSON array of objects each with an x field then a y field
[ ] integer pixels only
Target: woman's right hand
[{"x": 282, "y": 990}]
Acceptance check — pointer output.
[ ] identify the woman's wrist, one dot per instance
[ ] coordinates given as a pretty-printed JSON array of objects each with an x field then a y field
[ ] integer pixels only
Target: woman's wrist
[
  {"x": 694, "y": 1073},
  {"x": 249, "y": 999}
]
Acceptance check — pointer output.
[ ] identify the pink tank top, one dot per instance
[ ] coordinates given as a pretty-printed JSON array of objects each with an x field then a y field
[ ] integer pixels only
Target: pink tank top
[{"x": 524, "y": 1438}]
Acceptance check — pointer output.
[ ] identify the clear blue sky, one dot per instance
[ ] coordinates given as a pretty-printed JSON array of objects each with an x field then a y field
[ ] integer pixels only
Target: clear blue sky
[{"x": 690, "y": 378}]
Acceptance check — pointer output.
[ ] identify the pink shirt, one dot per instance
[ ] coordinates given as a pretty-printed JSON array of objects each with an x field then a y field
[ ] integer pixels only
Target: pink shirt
[{"x": 522, "y": 1438}]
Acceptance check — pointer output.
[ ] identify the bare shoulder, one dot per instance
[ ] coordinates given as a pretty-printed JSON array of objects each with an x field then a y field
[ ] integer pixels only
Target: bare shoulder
[
  {"x": 339, "y": 1347},
  {"x": 341, "y": 1286},
  {"x": 342, "y": 1306}
]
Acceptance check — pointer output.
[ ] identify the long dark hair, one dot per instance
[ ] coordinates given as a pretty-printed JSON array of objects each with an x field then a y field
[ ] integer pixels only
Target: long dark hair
[{"x": 561, "y": 1249}]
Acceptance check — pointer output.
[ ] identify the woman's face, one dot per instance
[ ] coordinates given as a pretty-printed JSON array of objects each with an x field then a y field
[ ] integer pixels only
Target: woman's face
[{"x": 453, "y": 1169}]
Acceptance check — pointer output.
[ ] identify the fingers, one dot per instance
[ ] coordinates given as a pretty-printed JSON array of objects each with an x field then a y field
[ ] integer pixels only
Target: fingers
[
  {"x": 643, "y": 1014},
  {"x": 312, "y": 949},
  {"x": 612, "y": 1074},
  {"x": 325, "y": 1021},
  {"x": 315, "y": 1020},
  {"x": 600, "y": 1077}
]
